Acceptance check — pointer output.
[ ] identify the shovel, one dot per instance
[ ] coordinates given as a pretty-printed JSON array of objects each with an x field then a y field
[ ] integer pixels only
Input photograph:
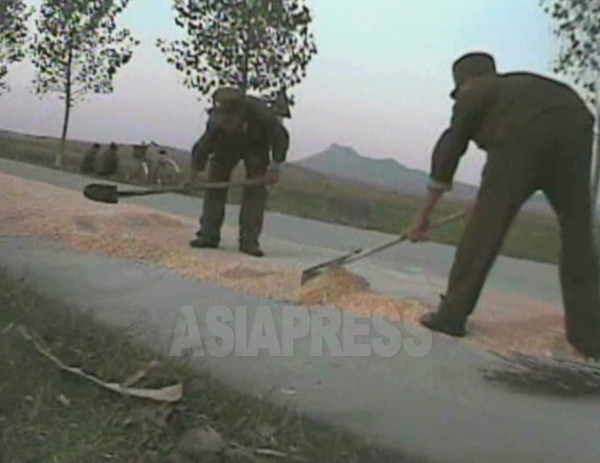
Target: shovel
[
  {"x": 105, "y": 193},
  {"x": 358, "y": 254}
]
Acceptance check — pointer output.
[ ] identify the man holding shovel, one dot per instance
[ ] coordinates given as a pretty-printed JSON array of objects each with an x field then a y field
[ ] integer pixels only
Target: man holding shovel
[
  {"x": 538, "y": 135},
  {"x": 239, "y": 128}
]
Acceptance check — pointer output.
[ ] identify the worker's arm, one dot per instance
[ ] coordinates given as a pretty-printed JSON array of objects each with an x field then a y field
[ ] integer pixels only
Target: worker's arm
[
  {"x": 279, "y": 137},
  {"x": 444, "y": 161},
  {"x": 203, "y": 148},
  {"x": 467, "y": 113},
  {"x": 280, "y": 144}
]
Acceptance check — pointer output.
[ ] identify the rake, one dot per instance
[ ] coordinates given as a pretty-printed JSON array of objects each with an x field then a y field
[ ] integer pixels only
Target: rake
[{"x": 357, "y": 254}]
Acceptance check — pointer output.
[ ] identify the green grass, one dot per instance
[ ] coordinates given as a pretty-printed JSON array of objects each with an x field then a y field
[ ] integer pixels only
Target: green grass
[
  {"x": 533, "y": 236},
  {"x": 99, "y": 426}
]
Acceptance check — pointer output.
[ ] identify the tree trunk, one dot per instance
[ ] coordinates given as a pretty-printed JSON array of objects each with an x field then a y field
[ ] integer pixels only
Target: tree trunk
[
  {"x": 63, "y": 138},
  {"x": 247, "y": 48},
  {"x": 245, "y": 64},
  {"x": 596, "y": 172},
  {"x": 68, "y": 104}
]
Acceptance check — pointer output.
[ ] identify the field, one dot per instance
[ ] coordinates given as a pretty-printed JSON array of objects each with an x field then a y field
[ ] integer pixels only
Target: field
[{"x": 304, "y": 193}]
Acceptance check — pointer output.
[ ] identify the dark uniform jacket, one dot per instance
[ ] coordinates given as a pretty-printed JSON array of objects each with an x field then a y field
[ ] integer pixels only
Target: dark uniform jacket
[
  {"x": 264, "y": 134},
  {"x": 494, "y": 111}
]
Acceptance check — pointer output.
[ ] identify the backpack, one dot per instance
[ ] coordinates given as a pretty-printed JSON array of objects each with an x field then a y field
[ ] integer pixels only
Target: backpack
[
  {"x": 227, "y": 99},
  {"x": 265, "y": 128}
]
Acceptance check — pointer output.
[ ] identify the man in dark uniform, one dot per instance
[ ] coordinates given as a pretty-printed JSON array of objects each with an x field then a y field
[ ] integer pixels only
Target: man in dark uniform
[
  {"x": 107, "y": 163},
  {"x": 88, "y": 162},
  {"x": 240, "y": 127},
  {"x": 538, "y": 135}
]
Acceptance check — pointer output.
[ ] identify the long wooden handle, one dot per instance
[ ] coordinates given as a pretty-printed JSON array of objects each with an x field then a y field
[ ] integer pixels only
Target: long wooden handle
[
  {"x": 157, "y": 191},
  {"x": 250, "y": 182},
  {"x": 367, "y": 252},
  {"x": 358, "y": 254}
]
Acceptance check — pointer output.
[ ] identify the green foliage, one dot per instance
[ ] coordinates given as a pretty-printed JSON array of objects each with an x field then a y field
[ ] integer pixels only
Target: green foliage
[
  {"x": 77, "y": 48},
  {"x": 14, "y": 15},
  {"x": 260, "y": 45},
  {"x": 577, "y": 25}
]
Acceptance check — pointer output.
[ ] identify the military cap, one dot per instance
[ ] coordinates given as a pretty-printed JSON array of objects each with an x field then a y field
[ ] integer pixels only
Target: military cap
[{"x": 471, "y": 65}]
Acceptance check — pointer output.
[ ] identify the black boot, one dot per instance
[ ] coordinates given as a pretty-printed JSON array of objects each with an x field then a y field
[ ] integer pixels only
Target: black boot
[
  {"x": 434, "y": 322},
  {"x": 582, "y": 336},
  {"x": 251, "y": 216},
  {"x": 252, "y": 250},
  {"x": 200, "y": 242},
  {"x": 590, "y": 350}
]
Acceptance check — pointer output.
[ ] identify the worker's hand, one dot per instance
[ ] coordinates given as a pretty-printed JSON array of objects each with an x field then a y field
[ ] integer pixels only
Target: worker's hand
[
  {"x": 189, "y": 177},
  {"x": 272, "y": 177},
  {"x": 197, "y": 163},
  {"x": 473, "y": 207},
  {"x": 418, "y": 228}
]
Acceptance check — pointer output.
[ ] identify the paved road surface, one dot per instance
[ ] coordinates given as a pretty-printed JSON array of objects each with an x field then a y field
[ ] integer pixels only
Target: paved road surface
[
  {"x": 428, "y": 261},
  {"x": 436, "y": 406}
]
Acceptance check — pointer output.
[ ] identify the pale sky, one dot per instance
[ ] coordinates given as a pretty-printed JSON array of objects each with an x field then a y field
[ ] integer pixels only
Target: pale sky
[{"x": 379, "y": 83}]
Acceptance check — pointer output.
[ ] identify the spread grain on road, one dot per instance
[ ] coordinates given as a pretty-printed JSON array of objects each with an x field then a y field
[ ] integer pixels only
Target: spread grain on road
[{"x": 132, "y": 232}]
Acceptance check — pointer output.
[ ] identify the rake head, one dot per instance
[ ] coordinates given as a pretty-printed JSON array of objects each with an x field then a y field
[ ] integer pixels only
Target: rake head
[
  {"x": 311, "y": 274},
  {"x": 308, "y": 275}
]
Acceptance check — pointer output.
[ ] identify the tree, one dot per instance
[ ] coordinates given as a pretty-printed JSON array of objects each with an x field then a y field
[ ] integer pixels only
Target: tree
[
  {"x": 14, "y": 15},
  {"x": 260, "y": 45},
  {"x": 77, "y": 50},
  {"x": 577, "y": 26}
]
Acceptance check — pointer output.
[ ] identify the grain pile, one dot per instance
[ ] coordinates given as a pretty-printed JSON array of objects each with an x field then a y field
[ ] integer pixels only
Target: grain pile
[
  {"x": 342, "y": 289},
  {"x": 140, "y": 234},
  {"x": 537, "y": 335},
  {"x": 538, "y": 332},
  {"x": 330, "y": 286},
  {"x": 134, "y": 233}
]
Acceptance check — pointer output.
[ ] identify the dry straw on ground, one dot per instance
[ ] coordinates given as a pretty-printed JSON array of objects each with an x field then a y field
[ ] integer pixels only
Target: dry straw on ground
[
  {"x": 535, "y": 375},
  {"x": 135, "y": 233}
]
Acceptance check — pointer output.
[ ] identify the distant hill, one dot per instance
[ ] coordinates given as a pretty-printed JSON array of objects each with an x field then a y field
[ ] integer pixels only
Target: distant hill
[
  {"x": 293, "y": 173},
  {"x": 338, "y": 168},
  {"x": 344, "y": 162}
]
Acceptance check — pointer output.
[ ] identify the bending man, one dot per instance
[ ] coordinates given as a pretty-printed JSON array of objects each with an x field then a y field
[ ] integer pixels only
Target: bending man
[
  {"x": 538, "y": 135},
  {"x": 239, "y": 128}
]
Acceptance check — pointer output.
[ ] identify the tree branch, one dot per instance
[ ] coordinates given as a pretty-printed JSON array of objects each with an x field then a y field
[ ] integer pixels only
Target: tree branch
[{"x": 262, "y": 45}]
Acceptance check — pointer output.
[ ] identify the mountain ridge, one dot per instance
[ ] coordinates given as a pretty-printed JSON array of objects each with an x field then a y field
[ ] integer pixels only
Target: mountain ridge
[
  {"x": 338, "y": 165},
  {"x": 345, "y": 162}
]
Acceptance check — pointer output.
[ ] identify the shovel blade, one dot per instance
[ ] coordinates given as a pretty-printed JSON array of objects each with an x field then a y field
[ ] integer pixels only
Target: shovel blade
[{"x": 101, "y": 193}]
